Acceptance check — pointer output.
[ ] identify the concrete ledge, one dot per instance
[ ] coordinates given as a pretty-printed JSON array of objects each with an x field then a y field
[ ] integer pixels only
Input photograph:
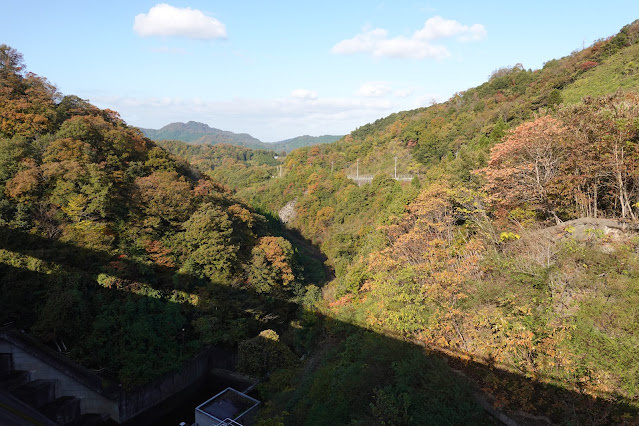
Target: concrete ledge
[
  {"x": 59, "y": 362},
  {"x": 15, "y": 412}
]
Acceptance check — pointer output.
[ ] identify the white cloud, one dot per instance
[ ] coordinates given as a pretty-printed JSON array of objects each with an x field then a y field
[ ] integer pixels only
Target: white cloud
[
  {"x": 166, "y": 20},
  {"x": 476, "y": 32},
  {"x": 367, "y": 41},
  {"x": 403, "y": 93},
  {"x": 418, "y": 46},
  {"x": 438, "y": 27},
  {"x": 373, "y": 89},
  {"x": 386, "y": 88},
  {"x": 304, "y": 94},
  {"x": 402, "y": 47},
  {"x": 267, "y": 120}
]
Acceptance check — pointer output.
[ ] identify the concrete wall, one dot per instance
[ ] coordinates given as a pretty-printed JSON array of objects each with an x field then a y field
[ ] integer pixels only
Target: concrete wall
[
  {"x": 136, "y": 401},
  {"x": 74, "y": 380},
  {"x": 204, "y": 419},
  {"x": 91, "y": 400}
]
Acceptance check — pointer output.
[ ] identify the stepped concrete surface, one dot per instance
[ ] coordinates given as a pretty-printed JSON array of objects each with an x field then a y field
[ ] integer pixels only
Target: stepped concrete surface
[
  {"x": 37, "y": 393},
  {"x": 14, "y": 379},
  {"x": 43, "y": 364},
  {"x": 63, "y": 410},
  {"x": 14, "y": 412},
  {"x": 6, "y": 364}
]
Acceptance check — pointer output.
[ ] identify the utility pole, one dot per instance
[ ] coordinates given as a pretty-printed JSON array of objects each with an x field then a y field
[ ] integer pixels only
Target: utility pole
[
  {"x": 332, "y": 166},
  {"x": 280, "y": 170},
  {"x": 358, "y": 168},
  {"x": 395, "y": 167}
]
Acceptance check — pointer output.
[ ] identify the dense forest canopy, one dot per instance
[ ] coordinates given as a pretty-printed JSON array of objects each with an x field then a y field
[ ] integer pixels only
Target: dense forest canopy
[{"x": 115, "y": 247}]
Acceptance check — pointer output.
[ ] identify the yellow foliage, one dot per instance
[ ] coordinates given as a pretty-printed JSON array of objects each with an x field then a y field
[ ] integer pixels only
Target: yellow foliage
[{"x": 508, "y": 236}]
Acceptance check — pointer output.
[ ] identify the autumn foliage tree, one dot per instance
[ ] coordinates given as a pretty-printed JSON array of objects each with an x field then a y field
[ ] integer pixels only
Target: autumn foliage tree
[
  {"x": 28, "y": 101},
  {"x": 522, "y": 167},
  {"x": 420, "y": 279},
  {"x": 584, "y": 163},
  {"x": 601, "y": 172},
  {"x": 165, "y": 199},
  {"x": 271, "y": 265}
]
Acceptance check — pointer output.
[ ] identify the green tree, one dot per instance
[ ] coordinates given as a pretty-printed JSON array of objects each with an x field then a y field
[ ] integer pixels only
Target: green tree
[
  {"x": 164, "y": 199},
  {"x": 207, "y": 239},
  {"x": 263, "y": 354}
]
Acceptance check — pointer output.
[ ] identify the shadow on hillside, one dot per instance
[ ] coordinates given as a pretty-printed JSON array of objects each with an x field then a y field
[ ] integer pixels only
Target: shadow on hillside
[
  {"x": 308, "y": 254},
  {"x": 315, "y": 268},
  {"x": 373, "y": 367}
]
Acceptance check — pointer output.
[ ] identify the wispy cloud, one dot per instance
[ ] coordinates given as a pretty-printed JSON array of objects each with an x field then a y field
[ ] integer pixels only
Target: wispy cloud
[
  {"x": 404, "y": 92},
  {"x": 304, "y": 94},
  {"x": 373, "y": 89},
  {"x": 438, "y": 27},
  {"x": 268, "y": 120},
  {"x": 166, "y": 20},
  {"x": 419, "y": 46}
]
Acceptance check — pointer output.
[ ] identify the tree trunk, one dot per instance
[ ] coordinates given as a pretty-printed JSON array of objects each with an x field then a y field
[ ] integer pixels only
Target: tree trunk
[
  {"x": 628, "y": 205},
  {"x": 594, "y": 207}
]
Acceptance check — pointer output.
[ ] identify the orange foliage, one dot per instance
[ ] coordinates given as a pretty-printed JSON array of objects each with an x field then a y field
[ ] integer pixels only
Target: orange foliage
[
  {"x": 67, "y": 149},
  {"x": 276, "y": 255},
  {"x": 27, "y": 106},
  {"x": 24, "y": 183},
  {"x": 239, "y": 212},
  {"x": 522, "y": 167},
  {"x": 159, "y": 253},
  {"x": 342, "y": 301},
  {"x": 165, "y": 196}
]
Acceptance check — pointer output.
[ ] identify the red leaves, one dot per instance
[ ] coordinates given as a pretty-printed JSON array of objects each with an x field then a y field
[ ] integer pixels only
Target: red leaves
[
  {"x": 588, "y": 64},
  {"x": 522, "y": 167}
]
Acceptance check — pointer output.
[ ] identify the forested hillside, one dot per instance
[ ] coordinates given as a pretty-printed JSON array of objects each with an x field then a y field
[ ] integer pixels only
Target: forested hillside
[
  {"x": 129, "y": 260},
  {"x": 287, "y": 145},
  {"x": 459, "y": 259},
  {"x": 511, "y": 254},
  {"x": 117, "y": 251},
  {"x": 229, "y": 165},
  {"x": 201, "y": 134}
]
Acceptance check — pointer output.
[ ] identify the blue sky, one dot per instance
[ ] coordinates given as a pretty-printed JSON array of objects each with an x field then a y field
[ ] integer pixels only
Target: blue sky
[{"x": 279, "y": 69}]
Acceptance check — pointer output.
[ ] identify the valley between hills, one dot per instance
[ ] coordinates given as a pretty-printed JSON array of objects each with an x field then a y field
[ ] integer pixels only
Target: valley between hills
[{"x": 497, "y": 282}]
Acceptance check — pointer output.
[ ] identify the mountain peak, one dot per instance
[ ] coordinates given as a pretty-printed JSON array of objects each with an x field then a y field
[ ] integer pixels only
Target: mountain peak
[
  {"x": 194, "y": 126},
  {"x": 197, "y": 133}
]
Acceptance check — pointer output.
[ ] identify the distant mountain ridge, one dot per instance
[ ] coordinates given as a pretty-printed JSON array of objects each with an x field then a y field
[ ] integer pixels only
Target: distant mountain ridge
[
  {"x": 197, "y": 133},
  {"x": 201, "y": 134}
]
